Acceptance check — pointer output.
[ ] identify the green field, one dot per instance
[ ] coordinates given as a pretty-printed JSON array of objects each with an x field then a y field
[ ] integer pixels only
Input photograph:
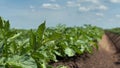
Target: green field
[{"x": 35, "y": 48}]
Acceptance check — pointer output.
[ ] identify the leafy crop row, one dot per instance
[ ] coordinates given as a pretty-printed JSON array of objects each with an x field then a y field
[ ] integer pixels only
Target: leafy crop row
[
  {"x": 114, "y": 30},
  {"x": 36, "y": 48}
]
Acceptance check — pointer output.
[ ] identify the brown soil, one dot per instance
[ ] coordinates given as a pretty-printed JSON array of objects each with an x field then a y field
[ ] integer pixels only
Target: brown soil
[{"x": 107, "y": 56}]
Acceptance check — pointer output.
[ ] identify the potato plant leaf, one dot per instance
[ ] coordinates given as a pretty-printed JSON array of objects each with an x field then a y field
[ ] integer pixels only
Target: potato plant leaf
[
  {"x": 70, "y": 52},
  {"x": 1, "y": 22},
  {"x": 41, "y": 30}
]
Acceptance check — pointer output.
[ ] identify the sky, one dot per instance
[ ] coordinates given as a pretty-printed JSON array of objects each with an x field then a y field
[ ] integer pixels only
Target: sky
[{"x": 29, "y": 14}]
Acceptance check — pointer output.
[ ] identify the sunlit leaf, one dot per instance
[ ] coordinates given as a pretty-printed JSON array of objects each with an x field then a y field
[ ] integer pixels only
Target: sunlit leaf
[
  {"x": 41, "y": 30},
  {"x": 70, "y": 52}
]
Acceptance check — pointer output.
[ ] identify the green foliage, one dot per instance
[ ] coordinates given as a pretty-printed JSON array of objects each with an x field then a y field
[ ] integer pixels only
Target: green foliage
[
  {"x": 36, "y": 48},
  {"x": 114, "y": 30}
]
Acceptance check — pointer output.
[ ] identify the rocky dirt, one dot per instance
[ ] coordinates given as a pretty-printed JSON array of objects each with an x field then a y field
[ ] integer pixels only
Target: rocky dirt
[{"x": 107, "y": 56}]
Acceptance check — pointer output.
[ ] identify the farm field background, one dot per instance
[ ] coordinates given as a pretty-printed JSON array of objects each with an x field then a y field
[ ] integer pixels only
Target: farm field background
[
  {"x": 36, "y": 48},
  {"x": 59, "y": 34}
]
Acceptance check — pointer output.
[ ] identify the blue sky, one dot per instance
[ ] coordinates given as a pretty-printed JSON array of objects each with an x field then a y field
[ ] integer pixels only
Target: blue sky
[{"x": 31, "y": 13}]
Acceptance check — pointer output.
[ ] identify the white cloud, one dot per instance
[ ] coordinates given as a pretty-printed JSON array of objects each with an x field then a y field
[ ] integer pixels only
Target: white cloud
[
  {"x": 103, "y": 7},
  {"x": 118, "y": 15},
  {"x": 92, "y": 1},
  {"x": 92, "y": 7},
  {"x": 51, "y": 6},
  {"x": 84, "y": 9},
  {"x": 115, "y": 1},
  {"x": 32, "y": 8},
  {"x": 87, "y": 5},
  {"x": 72, "y": 4},
  {"x": 100, "y": 14}
]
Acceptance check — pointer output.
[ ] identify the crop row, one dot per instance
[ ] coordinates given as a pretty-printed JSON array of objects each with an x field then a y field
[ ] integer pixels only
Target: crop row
[{"x": 36, "y": 48}]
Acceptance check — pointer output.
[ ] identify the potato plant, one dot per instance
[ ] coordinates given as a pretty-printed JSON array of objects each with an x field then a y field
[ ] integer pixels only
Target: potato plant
[{"x": 36, "y": 48}]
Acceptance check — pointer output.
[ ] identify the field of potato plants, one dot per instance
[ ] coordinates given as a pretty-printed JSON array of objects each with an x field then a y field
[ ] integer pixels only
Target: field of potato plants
[{"x": 36, "y": 48}]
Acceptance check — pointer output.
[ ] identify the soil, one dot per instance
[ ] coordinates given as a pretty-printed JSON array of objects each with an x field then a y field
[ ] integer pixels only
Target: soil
[{"x": 107, "y": 56}]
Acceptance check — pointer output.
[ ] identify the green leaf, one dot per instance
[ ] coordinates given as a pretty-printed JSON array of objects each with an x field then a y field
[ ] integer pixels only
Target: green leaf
[
  {"x": 89, "y": 49},
  {"x": 12, "y": 65},
  {"x": 1, "y": 22},
  {"x": 82, "y": 49},
  {"x": 58, "y": 53},
  {"x": 13, "y": 47},
  {"x": 43, "y": 65},
  {"x": 70, "y": 52},
  {"x": 33, "y": 41},
  {"x": 38, "y": 55},
  {"x": 20, "y": 62},
  {"x": 13, "y": 37},
  {"x": 7, "y": 26},
  {"x": 40, "y": 31},
  {"x": 54, "y": 36}
]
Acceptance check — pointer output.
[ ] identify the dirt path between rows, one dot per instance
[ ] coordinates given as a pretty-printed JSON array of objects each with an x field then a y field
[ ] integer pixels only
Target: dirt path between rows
[{"x": 105, "y": 57}]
